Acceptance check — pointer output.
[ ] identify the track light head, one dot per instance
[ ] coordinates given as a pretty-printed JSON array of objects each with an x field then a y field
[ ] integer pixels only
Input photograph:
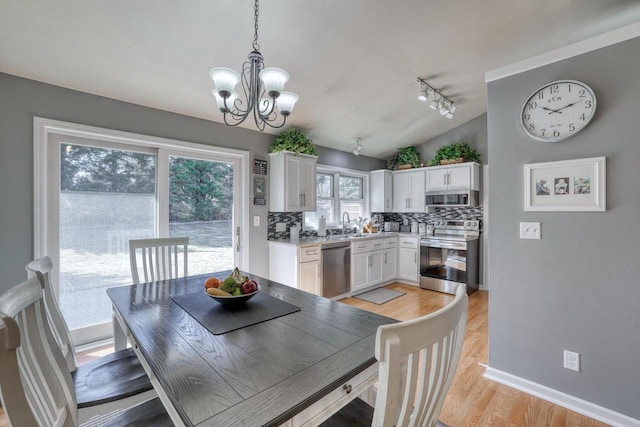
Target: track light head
[
  {"x": 422, "y": 96},
  {"x": 357, "y": 146}
]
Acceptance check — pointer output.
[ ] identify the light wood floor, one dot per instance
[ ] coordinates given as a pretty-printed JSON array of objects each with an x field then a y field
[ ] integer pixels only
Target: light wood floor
[{"x": 472, "y": 400}]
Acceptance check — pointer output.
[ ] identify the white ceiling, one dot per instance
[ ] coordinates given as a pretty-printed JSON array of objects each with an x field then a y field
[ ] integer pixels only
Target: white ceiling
[{"x": 353, "y": 63}]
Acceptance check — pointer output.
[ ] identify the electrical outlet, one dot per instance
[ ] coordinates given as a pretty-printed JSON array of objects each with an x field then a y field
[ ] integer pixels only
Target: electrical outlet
[
  {"x": 256, "y": 221},
  {"x": 572, "y": 360},
  {"x": 530, "y": 230},
  {"x": 281, "y": 226}
]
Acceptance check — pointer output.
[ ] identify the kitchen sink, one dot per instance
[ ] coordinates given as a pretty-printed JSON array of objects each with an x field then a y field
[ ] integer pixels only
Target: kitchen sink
[{"x": 356, "y": 236}]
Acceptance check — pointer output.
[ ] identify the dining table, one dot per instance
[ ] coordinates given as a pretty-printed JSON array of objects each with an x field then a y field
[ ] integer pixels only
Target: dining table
[{"x": 295, "y": 369}]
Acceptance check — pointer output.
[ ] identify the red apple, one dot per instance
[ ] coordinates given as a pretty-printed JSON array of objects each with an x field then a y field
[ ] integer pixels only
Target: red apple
[{"x": 249, "y": 287}]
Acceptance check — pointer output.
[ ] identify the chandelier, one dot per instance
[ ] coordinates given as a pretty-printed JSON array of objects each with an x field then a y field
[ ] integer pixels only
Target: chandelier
[
  {"x": 262, "y": 87},
  {"x": 438, "y": 102}
]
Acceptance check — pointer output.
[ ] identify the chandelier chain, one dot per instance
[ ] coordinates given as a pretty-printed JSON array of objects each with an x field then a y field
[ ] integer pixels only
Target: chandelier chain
[{"x": 256, "y": 46}]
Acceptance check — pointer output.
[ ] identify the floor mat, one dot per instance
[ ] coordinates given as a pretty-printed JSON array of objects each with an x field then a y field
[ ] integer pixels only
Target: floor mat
[{"x": 380, "y": 296}]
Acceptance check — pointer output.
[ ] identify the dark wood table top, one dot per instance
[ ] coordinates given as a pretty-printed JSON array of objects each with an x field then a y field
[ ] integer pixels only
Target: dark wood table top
[{"x": 258, "y": 375}]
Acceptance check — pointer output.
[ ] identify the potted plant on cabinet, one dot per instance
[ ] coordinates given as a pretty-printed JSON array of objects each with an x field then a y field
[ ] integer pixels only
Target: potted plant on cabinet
[
  {"x": 294, "y": 141},
  {"x": 408, "y": 158},
  {"x": 459, "y": 152}
]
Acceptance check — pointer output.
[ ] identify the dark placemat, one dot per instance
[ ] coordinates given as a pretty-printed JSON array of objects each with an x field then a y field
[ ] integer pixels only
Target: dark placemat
[{"x": 219, "y": 319}]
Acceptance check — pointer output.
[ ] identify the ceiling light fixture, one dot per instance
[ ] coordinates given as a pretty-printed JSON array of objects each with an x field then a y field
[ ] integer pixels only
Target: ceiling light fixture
[
  {"x": 439, "y": 102},
  {"x": 357, "y": 146},
  {"x": 262, "y": 87}
]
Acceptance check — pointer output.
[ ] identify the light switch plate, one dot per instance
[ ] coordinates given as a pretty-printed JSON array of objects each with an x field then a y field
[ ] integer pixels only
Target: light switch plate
[
  {"x": 530, "y": 230},
  {"x": 281, "y": 226},
  {"x": 256, "y": 221}
]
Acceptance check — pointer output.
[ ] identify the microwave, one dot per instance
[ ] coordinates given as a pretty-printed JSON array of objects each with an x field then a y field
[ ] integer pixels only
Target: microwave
[{"x": 452, "y": 198}]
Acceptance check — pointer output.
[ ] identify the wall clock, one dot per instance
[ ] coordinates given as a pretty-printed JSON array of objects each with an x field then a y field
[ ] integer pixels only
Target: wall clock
[{"x": 558, "y": 110}]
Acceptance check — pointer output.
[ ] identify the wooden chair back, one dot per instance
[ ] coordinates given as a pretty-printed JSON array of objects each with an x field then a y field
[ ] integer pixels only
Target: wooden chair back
[
  {"x": 417, "y": 361},
  {"x": 36, "y": 386},
  {"x": 158, "y": 259},
  {"x": 59, "y": 326}
]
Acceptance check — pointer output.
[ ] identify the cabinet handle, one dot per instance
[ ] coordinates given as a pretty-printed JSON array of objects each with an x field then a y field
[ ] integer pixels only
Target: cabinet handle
[
  {"x": 415, "y": 257},
  {"x": 370, "y": 260},
  {"x": 387, "y": 205},
  {"x": 385, "y": 257},
  {"x": 304, "y": 199},
  {"x": 347, "y": 388}
]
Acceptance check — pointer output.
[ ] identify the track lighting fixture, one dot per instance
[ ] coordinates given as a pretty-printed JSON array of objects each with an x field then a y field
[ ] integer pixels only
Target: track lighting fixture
[
  {"x": 439, "y": 102},
  {"x": 357, "y": 146}
]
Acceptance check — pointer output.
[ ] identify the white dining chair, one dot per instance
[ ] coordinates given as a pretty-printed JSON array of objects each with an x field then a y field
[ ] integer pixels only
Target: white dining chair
[
  {"x": 417, "y": 361},
  {"x": 158, "y": 259},
  {"x": 109, "y": 378},
  {"x": 35, "y": 383}
]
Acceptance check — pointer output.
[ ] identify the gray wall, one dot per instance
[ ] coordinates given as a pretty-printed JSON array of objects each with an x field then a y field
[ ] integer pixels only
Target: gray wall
[
  {"x": 22, "y": 99},
  {"x": 474, "y": 132},
  {"x": 577, "y": 287}
]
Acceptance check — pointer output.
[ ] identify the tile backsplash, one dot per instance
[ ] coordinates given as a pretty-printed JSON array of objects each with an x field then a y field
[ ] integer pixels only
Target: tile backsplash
[{"x": 290, "y": 218}]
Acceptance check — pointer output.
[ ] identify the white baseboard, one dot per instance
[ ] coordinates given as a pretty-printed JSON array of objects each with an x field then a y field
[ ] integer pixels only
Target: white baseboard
[{"x": 565, "y": 400}]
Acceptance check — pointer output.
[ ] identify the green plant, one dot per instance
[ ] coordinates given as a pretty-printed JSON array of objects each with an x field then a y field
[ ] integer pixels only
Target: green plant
[
  {"x": 295, "y": 141},
  {"x": 408, "y": 155},
  {"x": 392, "y": 164},
  {"x": 456, "y": 151}
]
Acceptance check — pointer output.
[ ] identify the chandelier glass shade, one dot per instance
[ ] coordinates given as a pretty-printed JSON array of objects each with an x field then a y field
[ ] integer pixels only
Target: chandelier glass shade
[{"x": 263, "y": 90}]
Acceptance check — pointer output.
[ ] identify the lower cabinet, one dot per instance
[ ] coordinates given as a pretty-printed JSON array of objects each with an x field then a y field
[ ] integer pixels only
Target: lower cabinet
[
  {"x": 367, "y": 263},
  {"x": 298, "y": 267},
  {"x": 390, "y": 265},
  {"x": 309, "y": 277},
  {"x": 359, "y": 271},
  {"x": 408, "y": 259}
]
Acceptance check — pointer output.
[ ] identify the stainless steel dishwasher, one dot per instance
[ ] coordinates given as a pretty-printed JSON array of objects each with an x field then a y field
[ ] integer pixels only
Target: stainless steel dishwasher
[{"x": 336, "y": 269}]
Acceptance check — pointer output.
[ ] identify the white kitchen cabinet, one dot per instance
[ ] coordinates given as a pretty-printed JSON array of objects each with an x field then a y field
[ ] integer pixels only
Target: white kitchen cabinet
[
  {"x": 462, "y": 176},
  {"x": 366, "y": 263},
  {"x": 292, "y": 182},
  {"x": 408, "y": 191},
  {"x": 359, "y": 271},
  {"x": 309, "y": 277},
  {"x": 381, "y": 194},
  {"x": 390, "y": 259},
  {"x": 408, "y": 262},
  {"x": 298, "y": 267}
]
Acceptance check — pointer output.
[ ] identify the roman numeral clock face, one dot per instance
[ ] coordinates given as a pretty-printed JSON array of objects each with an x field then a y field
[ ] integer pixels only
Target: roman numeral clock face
[{"x": 558, "y": 110}]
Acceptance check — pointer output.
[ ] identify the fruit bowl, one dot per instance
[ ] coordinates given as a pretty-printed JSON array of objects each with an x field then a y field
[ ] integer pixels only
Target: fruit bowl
[{"x": 233, "y": 300}]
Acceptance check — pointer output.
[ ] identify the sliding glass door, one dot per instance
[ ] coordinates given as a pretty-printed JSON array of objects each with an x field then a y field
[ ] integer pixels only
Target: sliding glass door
[
  {"x": 201, "y": 194},
  {"x": 104, "y": 193}
]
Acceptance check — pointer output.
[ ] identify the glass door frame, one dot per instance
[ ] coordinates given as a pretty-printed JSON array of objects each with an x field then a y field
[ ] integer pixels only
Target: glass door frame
[{"x": 46, "y": 238}]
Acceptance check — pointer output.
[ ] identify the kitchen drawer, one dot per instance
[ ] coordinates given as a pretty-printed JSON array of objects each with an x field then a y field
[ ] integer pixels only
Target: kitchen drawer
[
  {"x": 391, "y": 243},
  {"x": 408, "y": 242},
  {"x": 360, "y": 246},
  {"x": 310, "y": 253},
  {"x": 376, "y": 245},
  {"x": 337, "y": 399}
]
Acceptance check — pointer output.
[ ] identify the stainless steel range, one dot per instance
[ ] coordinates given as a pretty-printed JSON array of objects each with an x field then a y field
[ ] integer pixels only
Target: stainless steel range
[{"x": 450, "y": 256}]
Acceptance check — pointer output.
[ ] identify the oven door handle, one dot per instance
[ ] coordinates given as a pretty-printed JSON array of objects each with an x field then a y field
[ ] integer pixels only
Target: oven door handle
[{"x": 444, "y": 245}]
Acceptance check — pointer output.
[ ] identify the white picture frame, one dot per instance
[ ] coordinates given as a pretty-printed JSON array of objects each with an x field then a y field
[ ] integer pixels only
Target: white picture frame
[{"x": 569, "y": 185}]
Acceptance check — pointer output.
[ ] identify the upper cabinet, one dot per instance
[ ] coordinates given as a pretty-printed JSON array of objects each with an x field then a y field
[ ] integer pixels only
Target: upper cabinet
[
  {"x": 408, "y": 191},
  {"x": 292, "y": 182},
  {"x": 381, "y": 191},
  {"x": 462, "y": 176}
]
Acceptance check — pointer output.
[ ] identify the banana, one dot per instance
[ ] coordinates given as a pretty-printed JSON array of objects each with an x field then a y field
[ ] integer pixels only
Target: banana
[{"x": 218, "y": 292}]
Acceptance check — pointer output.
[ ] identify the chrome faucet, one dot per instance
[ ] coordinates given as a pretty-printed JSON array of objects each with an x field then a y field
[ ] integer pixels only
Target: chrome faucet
[{"x": 345, "y": 223}]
